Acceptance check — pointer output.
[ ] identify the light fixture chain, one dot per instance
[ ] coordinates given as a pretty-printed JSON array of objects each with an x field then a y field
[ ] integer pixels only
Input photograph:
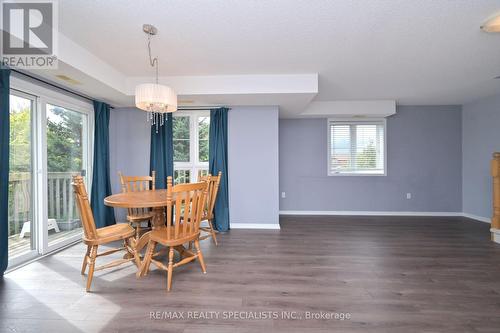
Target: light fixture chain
[{"x": 152, "y": 61}]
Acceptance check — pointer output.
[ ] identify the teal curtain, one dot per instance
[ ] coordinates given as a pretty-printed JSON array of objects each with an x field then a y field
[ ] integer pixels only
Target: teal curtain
[
  {"x": 4, "y": 167},
  {"x": 161, "y": 157},
  {"x": 101, "y": 186},
  {"x": 217, "y": 160}
]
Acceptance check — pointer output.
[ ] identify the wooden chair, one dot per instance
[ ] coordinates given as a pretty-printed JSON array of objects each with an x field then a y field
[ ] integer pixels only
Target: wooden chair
[
  {"x": 94, "y": 237},
  {"x": 213, "y": 188},
  {"x": 136, "y": 216},
  {"x": 185, "y": 203}
]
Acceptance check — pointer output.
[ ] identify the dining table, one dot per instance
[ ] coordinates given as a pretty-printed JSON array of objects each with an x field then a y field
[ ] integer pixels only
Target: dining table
[{"x": 154, "y": 199}]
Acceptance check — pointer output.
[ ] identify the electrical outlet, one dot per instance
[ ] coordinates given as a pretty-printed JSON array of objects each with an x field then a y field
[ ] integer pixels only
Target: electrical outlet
[
  {"x": 408, "y": 196},
  {"x": 283, "y": 195}
]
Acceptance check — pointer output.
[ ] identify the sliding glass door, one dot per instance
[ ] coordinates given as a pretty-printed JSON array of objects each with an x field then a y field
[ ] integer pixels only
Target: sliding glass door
[
  {"x": 67, "y": 148},
  {"x": 22, "y": 240},
  {"x": 50, "y": 141}
]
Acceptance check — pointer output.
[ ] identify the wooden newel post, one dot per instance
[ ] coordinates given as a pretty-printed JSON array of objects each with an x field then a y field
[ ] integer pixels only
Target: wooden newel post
[{"x": 495, "y": 173}]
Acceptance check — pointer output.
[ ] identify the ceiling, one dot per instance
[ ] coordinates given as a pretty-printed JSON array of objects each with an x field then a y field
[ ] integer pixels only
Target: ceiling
[{"x": 415, "y": 52}]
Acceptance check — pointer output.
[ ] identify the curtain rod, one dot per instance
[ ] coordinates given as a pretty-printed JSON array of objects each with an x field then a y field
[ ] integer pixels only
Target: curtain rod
[{"x": 36, "y": 78}]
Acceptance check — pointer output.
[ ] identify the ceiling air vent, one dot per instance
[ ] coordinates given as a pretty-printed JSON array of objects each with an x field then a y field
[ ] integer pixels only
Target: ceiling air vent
[{"x": 68, "y": 79}]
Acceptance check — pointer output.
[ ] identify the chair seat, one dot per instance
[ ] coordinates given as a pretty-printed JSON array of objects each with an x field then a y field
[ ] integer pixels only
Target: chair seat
[
  {"x": 161, "y": 236},
  {"x": 111, "y": 233},
  {"x": 141, "y": 217}
]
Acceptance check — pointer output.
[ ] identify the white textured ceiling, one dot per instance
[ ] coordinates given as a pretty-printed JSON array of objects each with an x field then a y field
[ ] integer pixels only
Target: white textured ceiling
[{"x": 415, "y": 52}]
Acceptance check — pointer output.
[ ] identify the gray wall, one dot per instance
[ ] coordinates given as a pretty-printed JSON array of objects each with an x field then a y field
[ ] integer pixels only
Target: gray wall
[
  {"x": 481, "y": 137},
  {"x": 253, "y": 165},
  {"x": 252, "y": 159},
  {"x": 129, "y": 139},
  {"x": 424, "y": 158}
]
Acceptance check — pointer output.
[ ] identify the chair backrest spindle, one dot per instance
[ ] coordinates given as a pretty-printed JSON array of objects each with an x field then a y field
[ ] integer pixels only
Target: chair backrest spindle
[
  {"x": 169, "y": 207},
  {"x": 83, "y": 205}
]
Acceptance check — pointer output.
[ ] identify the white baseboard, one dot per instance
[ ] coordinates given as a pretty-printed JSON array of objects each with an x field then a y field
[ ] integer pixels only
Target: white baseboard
[
  {"x": 366, "y": 213},
  {"x": 495, "y": 235},
  {"x": 272, "y": 226},
  {"x": 477, "y": 218},
  {"x": 382, "y": 213}
]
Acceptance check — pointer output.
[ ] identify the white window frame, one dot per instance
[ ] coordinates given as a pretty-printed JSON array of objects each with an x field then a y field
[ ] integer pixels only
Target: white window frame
[
  {"x": 42, "y": 96},
  {"x": 194, "y": 164},
  {"x": 355, "y": 121}
]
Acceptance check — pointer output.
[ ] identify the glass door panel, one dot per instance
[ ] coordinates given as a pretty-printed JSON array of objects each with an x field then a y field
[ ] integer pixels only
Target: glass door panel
[
  {"x": 21, "y": 225},
  {"x": 67, "y": 144}
]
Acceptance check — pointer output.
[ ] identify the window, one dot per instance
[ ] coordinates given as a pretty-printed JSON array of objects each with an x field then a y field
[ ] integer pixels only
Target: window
[
  {"x": 50, "y": 140},
  {"x": 356, "y": 147},
  {"x": 190, "y": 136}
]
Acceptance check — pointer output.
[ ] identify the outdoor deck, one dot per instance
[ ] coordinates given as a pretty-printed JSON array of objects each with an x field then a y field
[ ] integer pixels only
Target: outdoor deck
[
  {"x": 60, "y": 207},
  {"x": 18, "y": 246}
]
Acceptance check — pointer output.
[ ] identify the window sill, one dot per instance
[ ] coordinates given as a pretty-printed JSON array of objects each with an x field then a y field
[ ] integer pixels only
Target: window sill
[{"x": 351, "y": 174}]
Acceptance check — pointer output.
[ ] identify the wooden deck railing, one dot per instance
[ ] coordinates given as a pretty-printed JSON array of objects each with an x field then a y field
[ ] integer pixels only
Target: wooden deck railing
[
  {"x": 61, "y": 200},
  {"x": 61, "y": 204}
]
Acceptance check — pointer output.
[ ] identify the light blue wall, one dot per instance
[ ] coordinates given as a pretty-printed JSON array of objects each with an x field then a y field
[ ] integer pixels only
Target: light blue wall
[
  {"x": 424, "y": 158},
  {"x": 252, "y": 154},
  {"x": 129, "y": 140},
  {"x": 253, "y": 165},
  {"x": 481, "y": 137}
]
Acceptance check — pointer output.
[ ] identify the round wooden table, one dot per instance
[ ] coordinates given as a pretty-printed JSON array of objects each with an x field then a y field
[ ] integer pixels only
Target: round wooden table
[
  {"x": 157, "y": 200},
  {"x": 140, "y": 199}
]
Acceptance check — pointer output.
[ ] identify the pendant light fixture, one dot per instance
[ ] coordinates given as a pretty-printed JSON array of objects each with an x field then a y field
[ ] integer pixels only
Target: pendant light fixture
[{"x": 154, "y": 98}]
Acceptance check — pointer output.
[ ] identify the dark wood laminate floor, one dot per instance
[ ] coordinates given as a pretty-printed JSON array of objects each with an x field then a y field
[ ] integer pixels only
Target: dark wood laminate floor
[{"x": 391, "y": 274}]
